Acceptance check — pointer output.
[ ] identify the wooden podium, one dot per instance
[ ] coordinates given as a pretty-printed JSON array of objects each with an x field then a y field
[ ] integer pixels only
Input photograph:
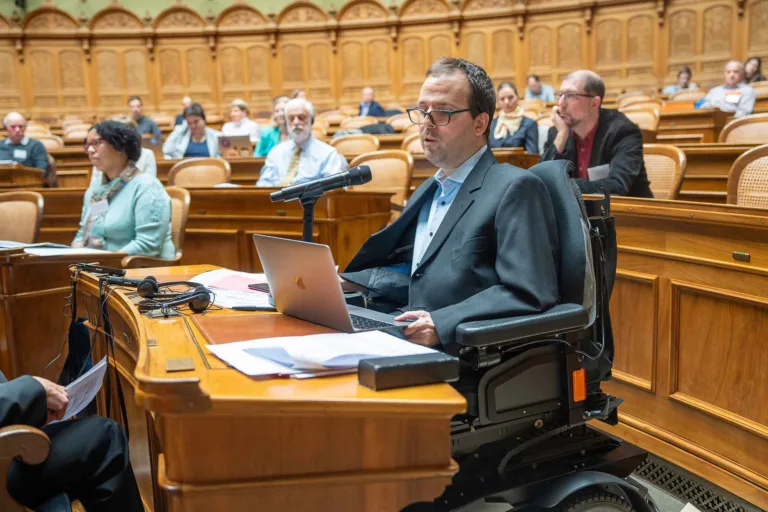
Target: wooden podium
[
  {"x": 16, "y": 175},
  {"x": 206, "y": 437},
  {"x": 33, "y": 328}
]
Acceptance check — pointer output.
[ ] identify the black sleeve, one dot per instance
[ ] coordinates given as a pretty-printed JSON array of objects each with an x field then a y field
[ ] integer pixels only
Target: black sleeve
[
  {"x": 550, "y": 153},
  {"x": 532, "y": 138},
  {"x": 22, "y": 402},
  {"x": 156, "y": 133},
  {"x": 625, "y": 165}
]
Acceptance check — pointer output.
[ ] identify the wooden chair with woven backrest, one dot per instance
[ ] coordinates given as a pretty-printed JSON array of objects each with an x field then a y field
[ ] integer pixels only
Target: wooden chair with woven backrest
[
  {"x": 50, "y": 141},
  {"x": 22, "y": 213},
  {"x": 399, "y": 122},
  {"x": 665, "y": 166},
  {"x": 392, "y": 170},
  {"x": 688, "y": 95},
  {"x": 179, "y": 215},
  {"x": 349, "y": 110},
  {"x": 358, "y": 122},
  {"x": 38, "y": 126},
  {"x": 355, "y": 144},
  {"x": 412, "y": 144},
  {"x": 645, "y": 118},
  {"x": 761, "y": 88},
  {"x": 413, "y": 128},
  {"x": 746, "y": 130},
  {"x": 199, "y": 172},
  {"x": 748, "y": 179},
  {"x": 334, "y": 117},
  {"x": 625, "y": 101}
]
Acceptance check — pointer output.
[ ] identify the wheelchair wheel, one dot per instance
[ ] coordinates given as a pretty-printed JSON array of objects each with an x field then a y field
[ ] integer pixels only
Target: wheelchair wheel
[{"x": 597, "y": 501}]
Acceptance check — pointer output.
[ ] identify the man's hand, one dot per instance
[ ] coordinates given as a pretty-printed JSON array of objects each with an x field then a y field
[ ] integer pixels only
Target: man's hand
[
  {"x": 562, "y": 130},
  {"x": 422, "y": 330},
  {"x": 56, "y": 399}
]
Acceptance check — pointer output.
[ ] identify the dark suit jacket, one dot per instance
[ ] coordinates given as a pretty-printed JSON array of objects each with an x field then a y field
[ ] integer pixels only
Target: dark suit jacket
[
  {"x": 375, "y": 110},
  {"x": 527, "y": 136},
  {"x": 22, "y": 402},
  {"x": 494, "y": 255},
  {"x": 619, "y": 143}
]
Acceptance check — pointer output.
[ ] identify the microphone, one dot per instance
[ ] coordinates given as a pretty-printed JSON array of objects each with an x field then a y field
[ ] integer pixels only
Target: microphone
[{"x": 353, "y": 176}]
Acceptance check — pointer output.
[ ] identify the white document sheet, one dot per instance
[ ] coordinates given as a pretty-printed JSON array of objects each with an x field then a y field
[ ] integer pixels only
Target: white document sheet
[
  {"x": 69, "y": 251},
  {"x": 231, "y": 299},
  {"x": 83, "y": 390},
  {"x": 10, "y": 244},
  {"x": 231, "y": 288}
]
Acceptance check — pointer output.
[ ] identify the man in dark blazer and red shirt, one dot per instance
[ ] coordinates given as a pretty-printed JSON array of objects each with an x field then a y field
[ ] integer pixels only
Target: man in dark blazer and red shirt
[
  {"x": 605, "y": 147},
  {"x": 478, "y": 240},
  {"x": 88, "y": 460}
]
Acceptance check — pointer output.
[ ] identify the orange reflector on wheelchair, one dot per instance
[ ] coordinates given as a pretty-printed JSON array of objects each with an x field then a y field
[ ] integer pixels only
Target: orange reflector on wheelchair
[{"x": 579, "y": 385}]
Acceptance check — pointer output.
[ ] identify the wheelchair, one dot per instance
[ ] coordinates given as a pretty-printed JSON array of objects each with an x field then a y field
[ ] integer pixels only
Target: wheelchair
[{"x": 532, "y": 384}]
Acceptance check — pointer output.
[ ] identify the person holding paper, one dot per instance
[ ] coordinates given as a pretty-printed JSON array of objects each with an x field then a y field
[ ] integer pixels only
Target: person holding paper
[
  {"x": 89, "y": 458},
  {"x": 734, "y": 96},
  {"x": 605, "y": 147},
  {"x": 478, "y": 240}
]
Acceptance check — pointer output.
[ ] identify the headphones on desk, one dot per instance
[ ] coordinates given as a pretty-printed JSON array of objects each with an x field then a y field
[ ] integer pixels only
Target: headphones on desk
[{"x": 197, "y": 296}]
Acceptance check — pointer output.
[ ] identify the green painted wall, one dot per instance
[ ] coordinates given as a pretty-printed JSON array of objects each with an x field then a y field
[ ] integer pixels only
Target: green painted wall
[{"x": 140, "y": 7}]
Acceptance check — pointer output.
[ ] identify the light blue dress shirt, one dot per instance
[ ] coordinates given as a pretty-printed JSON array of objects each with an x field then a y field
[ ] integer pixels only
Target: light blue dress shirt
[
  {"x": 138, "y": 220},
  {"x": 316, "y": 160},
  {"x": 432, "y": 213},
  {"x": 547, "y": 93}
]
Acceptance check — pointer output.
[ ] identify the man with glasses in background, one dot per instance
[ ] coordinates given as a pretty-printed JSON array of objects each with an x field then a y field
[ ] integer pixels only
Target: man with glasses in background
[
  {"x": 605, "y": 147},
  {"x": 477, "y": 240}
]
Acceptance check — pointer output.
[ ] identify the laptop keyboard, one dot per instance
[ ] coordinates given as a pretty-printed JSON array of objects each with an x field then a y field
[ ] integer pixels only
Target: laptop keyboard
[{"x": 361, "y": 323}]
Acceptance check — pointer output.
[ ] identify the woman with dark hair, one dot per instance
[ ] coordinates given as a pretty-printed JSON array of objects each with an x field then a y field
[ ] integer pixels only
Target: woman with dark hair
[
  {"x": 192, "y": 138},
  {"x": 684, "y": 83},
  {"x": 128, "y": 211},
  {"x": 511, "y": 129},
  {"x": 752, "y": 70},
  {"x": 273, "y": 135}
]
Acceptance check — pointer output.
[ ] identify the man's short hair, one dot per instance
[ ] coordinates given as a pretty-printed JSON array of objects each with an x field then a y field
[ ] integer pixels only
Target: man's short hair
[
  {"x": 593, "y": 84},
  {"x": 9, "y": 115},
  {"x": 735, "y": 61},
  {"x": 535, "y": 78},
  {"x": 482, "y": 94},
  {"x": 301, "y": 102},
  {"x": 132, "y": 98}
]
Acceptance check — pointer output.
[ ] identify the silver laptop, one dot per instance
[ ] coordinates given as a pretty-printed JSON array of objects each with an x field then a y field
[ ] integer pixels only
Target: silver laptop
[{"x": 304, "y": 283}]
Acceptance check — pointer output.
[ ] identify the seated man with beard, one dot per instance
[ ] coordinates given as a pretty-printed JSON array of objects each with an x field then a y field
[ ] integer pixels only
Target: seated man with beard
[{"x": 303, "y": 157}]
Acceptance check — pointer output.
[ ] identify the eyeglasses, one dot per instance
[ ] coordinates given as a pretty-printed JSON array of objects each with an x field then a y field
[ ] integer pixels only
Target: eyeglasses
[
  {"x": 95, "y": 143},
  {"x": 438, "y": 117},
  {"x": 570, "y": 96}
]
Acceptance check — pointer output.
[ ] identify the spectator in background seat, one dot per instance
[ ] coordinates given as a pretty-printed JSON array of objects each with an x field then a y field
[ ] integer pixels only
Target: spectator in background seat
[
  {"x": 734, "y": 96},
  {"x": 240, "y": 124},
  {"x": 368, "y": 106},
  {"x": 192, "y": 138},
  {"x": 273, "y": 135},
  {"x": 538, "y": 91},
  {"x": 143, "y": 123},
  {"x": 20, "y": 148},
  {"x": 684, "y": 83},
  {"x": 752, "y": 70},
  {"x": 511, "y": 129}
]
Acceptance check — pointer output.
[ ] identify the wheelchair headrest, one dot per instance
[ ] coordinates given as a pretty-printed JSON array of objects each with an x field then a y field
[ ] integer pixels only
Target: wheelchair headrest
[{"x": 576, "y": 275}]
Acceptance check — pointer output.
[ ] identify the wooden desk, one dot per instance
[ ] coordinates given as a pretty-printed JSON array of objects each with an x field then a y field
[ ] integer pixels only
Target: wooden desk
[
  {"x": 706, "y": 176},
  {"x": 33, "y": 328},
  {"x": 691, "y": 333},
  {"x": 705, "y": 121},
  {"x": 222, "y": 221},
  {"x": 15, "y": 175},
  {"x": 218, "y": 440}
]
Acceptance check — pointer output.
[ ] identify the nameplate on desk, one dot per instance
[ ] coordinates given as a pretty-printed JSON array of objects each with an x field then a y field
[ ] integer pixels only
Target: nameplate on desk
[{"x": 181, "y": 364}]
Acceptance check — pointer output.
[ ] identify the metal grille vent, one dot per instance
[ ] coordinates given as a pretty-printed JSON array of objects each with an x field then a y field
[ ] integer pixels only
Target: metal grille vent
[{"x": 702, "y": 495}]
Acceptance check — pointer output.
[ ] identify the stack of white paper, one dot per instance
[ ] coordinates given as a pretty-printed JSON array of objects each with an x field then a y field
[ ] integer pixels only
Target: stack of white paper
[
  {"x": 10, "y": 244},
  {"x": 230, "y": 288},
  {"x": 312, "y": 356}
]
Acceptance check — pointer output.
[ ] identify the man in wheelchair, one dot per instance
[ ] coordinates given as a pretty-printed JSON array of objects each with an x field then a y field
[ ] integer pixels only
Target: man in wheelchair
[{"x": 503, "y": 268}]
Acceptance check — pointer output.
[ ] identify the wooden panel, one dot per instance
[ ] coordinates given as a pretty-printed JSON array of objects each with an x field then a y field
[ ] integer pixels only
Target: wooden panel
[{"x": 67, "y": 65}]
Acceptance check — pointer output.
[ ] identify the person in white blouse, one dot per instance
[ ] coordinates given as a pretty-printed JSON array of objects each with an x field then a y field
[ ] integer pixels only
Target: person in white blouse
[
  {"x": 303, "y": 157},
  {"x": 146, "y": 162},
  {"x": 240, "y": 124}
]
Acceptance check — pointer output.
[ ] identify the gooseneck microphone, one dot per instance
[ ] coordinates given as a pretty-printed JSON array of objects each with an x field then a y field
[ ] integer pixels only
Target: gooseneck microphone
[{"x": 353, "y": 176}]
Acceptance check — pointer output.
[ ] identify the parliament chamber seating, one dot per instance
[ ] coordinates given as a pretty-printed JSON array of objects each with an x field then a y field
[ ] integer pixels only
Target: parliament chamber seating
[
  {"x": 399, "y": 122},
  {"x": 748, "y": 179},
  {"x": 22, "y": 213},
  {"x": 50, "y": 141},
  {"x": 180, "y": 200},
  {"x": 355, "y": 144},
  {"x": 687, "y": 96},
  {"x": 647, "y": 118},
  {"x": 746, "y": 130},
  {"x": 199, "y": 172},
  {"x": 665, "y": 166},
  {"x": 392, "y": 171},
  {"x": 412, "y": 144},
  {"x": 354, "y": 122}
]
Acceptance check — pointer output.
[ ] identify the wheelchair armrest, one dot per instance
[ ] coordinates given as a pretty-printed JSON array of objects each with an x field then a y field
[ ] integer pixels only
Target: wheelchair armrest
[{"x": 557, "y": 320}]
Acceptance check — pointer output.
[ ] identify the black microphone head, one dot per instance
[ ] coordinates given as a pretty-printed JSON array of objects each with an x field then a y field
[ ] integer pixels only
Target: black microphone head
[
  {"x": 276, "y": 196},
  {"x": 359, "y": 175}
]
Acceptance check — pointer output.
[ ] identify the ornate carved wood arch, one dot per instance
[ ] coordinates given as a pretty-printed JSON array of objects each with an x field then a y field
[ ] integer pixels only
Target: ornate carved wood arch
[
  {"x": 240, "y": 16},
  {"x": 179, "y": 18},
  {"x": 302, "y": 13},
  {"x": 422, "y": 8},
  {"x": 49, "y": 19},
  {"x": 115, "y": 18},
  {"x": 363, "y": 10}
]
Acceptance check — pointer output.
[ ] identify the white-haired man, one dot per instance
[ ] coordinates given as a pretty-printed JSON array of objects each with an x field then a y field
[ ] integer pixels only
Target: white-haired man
[
  {"x": 17, "y": 147},
  {"x": 303, "y": 157},
  {"x": 734, "y": 96}
]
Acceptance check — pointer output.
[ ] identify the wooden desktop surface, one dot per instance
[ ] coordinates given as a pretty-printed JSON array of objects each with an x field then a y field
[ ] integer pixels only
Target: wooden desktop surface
[
  {"x": 215, "y": 439},
  {"x": 690, "y": 320}
]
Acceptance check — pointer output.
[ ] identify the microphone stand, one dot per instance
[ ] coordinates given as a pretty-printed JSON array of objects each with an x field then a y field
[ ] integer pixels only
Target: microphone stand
[{"x": 308, "y": 199}]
